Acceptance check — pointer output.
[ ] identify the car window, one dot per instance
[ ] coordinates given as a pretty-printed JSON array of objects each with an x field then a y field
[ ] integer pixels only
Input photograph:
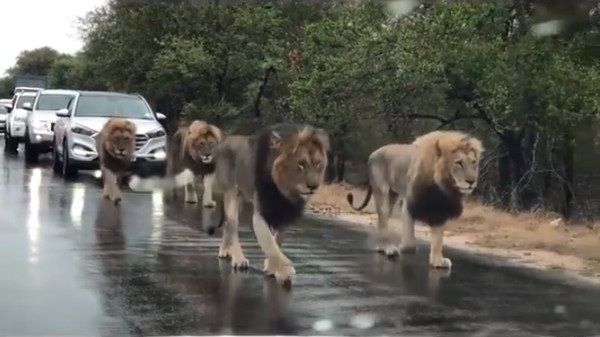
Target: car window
[
  {"x": 113, "y": 106},
  {"x": 53, "y": 101},
  {"x": 24, "y": 99}
]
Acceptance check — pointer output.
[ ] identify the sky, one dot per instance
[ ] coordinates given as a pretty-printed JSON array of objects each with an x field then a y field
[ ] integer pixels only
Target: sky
[{"x": 30, "y": 24}]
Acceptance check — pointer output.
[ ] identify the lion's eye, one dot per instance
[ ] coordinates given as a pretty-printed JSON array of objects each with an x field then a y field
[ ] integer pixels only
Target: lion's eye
[
  {"x": 318, "y": 164},
  {"x": 459, "y": 163},
  {"x": 302, "y": 165}
]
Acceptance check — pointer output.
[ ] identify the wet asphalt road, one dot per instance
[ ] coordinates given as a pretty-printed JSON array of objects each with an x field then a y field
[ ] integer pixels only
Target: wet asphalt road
[{"x": 73, "y": 264}]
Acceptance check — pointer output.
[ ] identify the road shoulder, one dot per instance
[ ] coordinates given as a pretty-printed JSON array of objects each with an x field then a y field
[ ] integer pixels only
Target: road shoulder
[{"x": 533, "y": 240}]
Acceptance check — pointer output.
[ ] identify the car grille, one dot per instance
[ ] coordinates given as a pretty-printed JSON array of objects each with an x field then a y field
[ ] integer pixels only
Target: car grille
[{"x": 140, "y": 141}]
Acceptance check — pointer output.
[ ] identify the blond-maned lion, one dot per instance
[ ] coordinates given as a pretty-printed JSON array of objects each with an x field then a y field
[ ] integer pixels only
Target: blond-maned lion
[
  {"x": 115, "y": 144},
  {"x": 192, "y": 148},
  {"x": 430, "y": 176}
]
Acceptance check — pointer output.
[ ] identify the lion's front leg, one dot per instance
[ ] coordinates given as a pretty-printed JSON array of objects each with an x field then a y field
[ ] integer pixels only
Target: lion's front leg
[
  {"x": 436, "y": 242},
  {"x": 207, "y": 196},
  {"x": 276, "y": 263},
  {"x": 111, "y": 186},
  {"x": 230, "y": 243},
  {"x": 191, "y": 197},
  {"x": 407, "y": 228}
]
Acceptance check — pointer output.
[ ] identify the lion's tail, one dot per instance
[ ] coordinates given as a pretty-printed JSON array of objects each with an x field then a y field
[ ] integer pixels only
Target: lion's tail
[
  {"x": 350, "y": 199},
  {"x": 137, "y": 183}
]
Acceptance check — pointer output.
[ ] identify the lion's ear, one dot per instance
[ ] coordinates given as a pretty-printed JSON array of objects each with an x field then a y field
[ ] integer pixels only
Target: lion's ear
[
  {"x": 322, "y": 137},
  {"x": 275, "y": 140},
  {"x": 438, "y": 148}
]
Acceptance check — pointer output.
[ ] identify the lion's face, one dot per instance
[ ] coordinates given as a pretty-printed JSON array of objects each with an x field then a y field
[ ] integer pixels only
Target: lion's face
[
  {"x": 201, "y": 149},
  {"x": 120, "y": 142},
  {"x": 299, "y": 169},
  {"x": 460, "y": 166},
  {"x": 201, "y": 140},
  {"x": 465, "y": 171}
]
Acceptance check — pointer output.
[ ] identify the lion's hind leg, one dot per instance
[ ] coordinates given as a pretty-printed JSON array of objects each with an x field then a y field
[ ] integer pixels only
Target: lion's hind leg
[
  {"x": 436, "y": 242},
  {"x": 385, "y": 241}
]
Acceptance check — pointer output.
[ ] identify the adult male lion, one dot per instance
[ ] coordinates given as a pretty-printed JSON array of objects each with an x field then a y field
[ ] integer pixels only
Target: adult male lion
[
  {"x": 431, "y": 176},
  {"x": 192, "y": 148},
  {"x": 277, "y": 170},
  {"x": 115, "y": 144}
]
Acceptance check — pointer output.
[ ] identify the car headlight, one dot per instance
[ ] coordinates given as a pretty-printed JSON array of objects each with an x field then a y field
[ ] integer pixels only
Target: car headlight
[
  {"x": 156, "y": 133},
  {"x": 40, "y": 125},
  {"x": 82, "y": 130}
]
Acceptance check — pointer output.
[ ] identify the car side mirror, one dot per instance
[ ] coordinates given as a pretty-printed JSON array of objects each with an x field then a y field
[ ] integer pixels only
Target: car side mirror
[
  {"x": 160, "y": 116},
  {"x": 62, "y": 113},
  {"x": 8, "y": 108},
  {"x": 27, "y": 106}
]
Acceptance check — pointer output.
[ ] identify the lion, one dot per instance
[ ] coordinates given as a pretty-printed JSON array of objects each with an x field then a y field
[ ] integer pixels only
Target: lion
[
  {"x": 276, "y": 170},
  {"x": 115, "y": 144},
  {"x": 192, "y": 148},
  {"x": 430, "y": 176}
]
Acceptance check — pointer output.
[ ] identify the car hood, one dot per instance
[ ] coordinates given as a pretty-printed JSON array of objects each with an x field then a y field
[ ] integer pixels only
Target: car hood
[
  {"x": 45, "y": 115},
  {"x": 96, "y": 123}
]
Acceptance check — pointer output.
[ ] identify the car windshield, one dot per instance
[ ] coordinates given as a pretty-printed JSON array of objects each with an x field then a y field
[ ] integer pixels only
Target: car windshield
[
  {"x": 113, "y": 106},
  {"x": 22, "y": 100},
  {"x": 53, "y": 101}
]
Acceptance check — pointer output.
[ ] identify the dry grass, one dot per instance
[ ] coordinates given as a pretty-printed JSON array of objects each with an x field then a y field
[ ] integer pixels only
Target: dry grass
[{"x": 489, "y": 227}]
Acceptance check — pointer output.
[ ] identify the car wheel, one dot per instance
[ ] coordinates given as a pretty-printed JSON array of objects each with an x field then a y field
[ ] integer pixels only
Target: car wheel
[
  {"x": 31, "y": 154},
  {"x": 10, "y": 145},
  {"x": 56, "y": 164},
  {"x": 68, "y": 171}
]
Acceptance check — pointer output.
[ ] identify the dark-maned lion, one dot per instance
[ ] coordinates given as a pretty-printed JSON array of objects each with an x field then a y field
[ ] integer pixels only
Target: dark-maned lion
[
  {"x": 430, "y": 176},
  {"x": 115, "y": 144},
  {"x": 277, "y": 170},
  {"x": 192, "y": 148}
]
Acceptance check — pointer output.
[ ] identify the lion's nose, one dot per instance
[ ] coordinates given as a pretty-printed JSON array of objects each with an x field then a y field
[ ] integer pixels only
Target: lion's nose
[
  {"x": 312, "y": 186},
  {"x": 470, "y": 181}
]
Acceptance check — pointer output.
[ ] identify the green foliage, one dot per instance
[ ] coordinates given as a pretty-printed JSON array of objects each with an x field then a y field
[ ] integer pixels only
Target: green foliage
[{"x": 367, "y": 77}]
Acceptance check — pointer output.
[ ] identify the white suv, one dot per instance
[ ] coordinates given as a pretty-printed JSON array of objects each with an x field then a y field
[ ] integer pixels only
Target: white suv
[
  {"x": 15, "y": 123},
  {"x": 39, "y": 125},
  {"x": 74, "y": 145}
]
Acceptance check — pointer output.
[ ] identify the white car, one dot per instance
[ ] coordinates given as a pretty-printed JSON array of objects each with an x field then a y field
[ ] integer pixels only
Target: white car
[
  {"x": 15, "y": 123},
  {"x": 74, "y": 145},
  {"x": 4, "y": 103},
  {"x": 41, "y": 117}
]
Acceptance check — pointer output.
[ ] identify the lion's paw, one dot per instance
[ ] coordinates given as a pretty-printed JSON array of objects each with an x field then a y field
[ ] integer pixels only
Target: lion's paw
[
  {"x": 191, "y": 198},
  {"x": 440, "y": 262},
  {"x": 389, "y": 250},
  {"x": 224, "y": 253},
  {"x": 280, "y": 269},
  {"x": 239, "y": 262},
  {"x": 209, "y": 204}
]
